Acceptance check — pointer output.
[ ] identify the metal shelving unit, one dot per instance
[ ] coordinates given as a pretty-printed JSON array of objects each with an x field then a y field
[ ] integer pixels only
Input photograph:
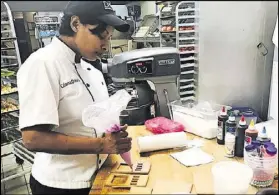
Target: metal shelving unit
[
  {"x": 167, "y": 23},
  {"x": 179, "y": 28},
  {"x": 187, "y": 43},
  {"x": 148, "y": 31},
  {"x": 10, "y": 62}
]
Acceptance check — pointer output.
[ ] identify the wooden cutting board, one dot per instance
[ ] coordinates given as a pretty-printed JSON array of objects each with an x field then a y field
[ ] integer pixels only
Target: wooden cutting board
[{"x": 172, "y": 186}]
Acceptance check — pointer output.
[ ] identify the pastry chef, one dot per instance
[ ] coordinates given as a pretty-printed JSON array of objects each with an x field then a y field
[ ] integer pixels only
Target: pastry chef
[{"x": 55, "y": 84}]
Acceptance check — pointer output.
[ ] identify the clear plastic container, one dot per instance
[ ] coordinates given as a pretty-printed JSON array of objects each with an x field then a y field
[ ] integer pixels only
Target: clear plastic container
[
  {"x": 199, "y": 118},
  {"x": 231, "y": 177},
  {"x": 264, "y": 169}
]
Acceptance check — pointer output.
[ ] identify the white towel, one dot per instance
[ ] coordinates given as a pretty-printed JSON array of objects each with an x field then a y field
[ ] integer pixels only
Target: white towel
[{"x": 192, "y": 157}]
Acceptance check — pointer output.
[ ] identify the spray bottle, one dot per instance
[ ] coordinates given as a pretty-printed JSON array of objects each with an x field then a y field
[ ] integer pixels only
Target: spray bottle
[
  {"x": 221, "y": 131},
  {"x": 240, "y": 137}
]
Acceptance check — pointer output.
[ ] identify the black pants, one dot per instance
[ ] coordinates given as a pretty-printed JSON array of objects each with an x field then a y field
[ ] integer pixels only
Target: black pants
[{"x": 39, "y": 189}]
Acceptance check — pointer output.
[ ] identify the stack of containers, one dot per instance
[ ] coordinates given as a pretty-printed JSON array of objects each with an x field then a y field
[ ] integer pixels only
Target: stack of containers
[{"x": 261, "y": 156}]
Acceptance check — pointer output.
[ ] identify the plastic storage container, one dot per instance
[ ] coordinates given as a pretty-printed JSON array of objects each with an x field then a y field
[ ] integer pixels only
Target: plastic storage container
[
  {"x": 231, "y": 177},
  {"x": 248, "y": 113},
  {"x": 264, "y": 169},
  {"x": 199, "y": 118}
]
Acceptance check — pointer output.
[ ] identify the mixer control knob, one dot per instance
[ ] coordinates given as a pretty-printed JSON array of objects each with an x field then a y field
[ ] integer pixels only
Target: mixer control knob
[
  {"x": 143, "y": 69},
  {"x": 134, "y": 69}
]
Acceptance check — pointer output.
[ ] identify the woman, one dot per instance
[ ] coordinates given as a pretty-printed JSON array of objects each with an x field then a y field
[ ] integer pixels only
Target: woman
[{"x": 54, "y": 86}]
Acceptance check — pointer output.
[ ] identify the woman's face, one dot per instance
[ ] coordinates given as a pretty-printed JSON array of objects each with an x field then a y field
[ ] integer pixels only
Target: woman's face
[{"x": 90, "y": 46}]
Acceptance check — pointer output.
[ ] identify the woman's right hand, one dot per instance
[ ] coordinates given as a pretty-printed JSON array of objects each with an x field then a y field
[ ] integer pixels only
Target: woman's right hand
[{"x": 117, "y": 142}]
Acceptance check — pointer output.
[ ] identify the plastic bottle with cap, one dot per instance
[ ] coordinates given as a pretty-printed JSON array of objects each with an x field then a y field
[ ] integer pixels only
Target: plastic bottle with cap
[
  {"x": 263, "y": 137},
  {"x": 230, "y": 136},
  {"x": 230, "y": 144},
  {"x": 240, "y": 137},
  {"x": 251, "y": 133},
  {"x": 221, "y": 131},
  {"x": 231, "y": 124}
]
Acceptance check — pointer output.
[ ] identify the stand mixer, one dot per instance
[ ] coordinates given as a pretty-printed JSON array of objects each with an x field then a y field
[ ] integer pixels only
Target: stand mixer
[{"x": 151, "y": 76}]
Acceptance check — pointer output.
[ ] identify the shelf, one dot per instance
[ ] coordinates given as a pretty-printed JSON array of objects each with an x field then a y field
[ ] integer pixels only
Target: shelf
[
  {"x": 14, "y": 114},
  {"x": 146, "y": 39},
  {"x": 9, "y": 65},
  {"x": 7, "y": 49},
  {"x": 187, "y": 86},
  {"x": 187, "y": 10},
  {"x": 187, "y": 80},
  {"x": 188, "y": 65},
  {"x": 188, "y": 52},
  {"x": 167, "y": 31},
  {"x": 187, "y": 92},
  {"x": 5, "y": 22},
  {"x": 4, "y": 13},
  {"x": 9, "y": 80},
  {"x": 187, "y": 38},
  {"x": 188, "y": 72},
  {"x": 47, "y": 23},
  {"x": 20, "y": 149},
  {"x": 187, "y": 17},
  {"x": 9, "y": 57},
  {"x": 165, "y": 17},
  {"x": 6, "y": 31},
  {"x": 9, "y": 128},
  {"x": 187, "y": 59},
  {"x": 5, "y": 94},
  {"x": 187, "y": 24},
  {"x": 9, "y": 111},
  {"x": 8, "y": 39},
  {"x": 10, "y": 135},
  {"x": 187, "y": 31},
  {"x": 189, "y": 45}
]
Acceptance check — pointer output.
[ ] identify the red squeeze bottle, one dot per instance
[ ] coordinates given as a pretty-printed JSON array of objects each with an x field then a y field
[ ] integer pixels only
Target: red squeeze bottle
[{"x": 221, "y": 131}]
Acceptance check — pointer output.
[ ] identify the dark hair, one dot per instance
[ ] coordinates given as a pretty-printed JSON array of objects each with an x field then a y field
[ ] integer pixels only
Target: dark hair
[{"x": 65, "y": 26}]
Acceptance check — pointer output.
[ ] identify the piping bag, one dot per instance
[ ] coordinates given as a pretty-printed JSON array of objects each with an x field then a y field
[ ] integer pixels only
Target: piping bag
[
  {"x": 104, "y": 115},
  {"x": 127, "y": 155}
]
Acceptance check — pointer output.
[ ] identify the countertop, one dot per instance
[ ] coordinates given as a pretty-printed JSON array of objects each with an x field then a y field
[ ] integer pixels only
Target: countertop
[{"x": 164, "y": 167}]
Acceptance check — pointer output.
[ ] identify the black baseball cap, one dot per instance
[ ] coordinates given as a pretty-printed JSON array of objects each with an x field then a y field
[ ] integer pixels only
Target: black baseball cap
[{"x": 97, "y": 11}]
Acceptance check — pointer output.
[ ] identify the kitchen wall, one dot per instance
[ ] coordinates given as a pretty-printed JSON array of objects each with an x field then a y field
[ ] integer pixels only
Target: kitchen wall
[
  {"x": 232, "y": 70},
  {"x": 273, "y": 102}
]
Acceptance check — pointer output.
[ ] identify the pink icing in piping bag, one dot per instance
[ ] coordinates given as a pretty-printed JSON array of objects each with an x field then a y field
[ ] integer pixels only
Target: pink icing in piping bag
[{"x": 127, "y": 155}]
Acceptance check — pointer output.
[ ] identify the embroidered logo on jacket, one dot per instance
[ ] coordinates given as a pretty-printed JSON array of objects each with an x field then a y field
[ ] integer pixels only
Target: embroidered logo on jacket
[
  {"x": 71, "y": 82},
  {"x": 107, "y": 5}
]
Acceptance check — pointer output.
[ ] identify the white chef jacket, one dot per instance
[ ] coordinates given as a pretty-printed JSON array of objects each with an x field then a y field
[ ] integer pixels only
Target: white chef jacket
[{"x": 51, "y": 92}]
